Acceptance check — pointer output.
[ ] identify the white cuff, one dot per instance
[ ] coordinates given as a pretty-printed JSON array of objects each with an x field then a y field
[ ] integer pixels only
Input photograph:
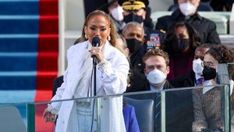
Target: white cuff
[{"x": 51, "y": 109}]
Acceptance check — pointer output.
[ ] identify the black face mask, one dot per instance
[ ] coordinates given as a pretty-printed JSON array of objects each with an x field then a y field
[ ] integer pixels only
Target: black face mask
[
  {"x": 182, "y": 45},
  {"x": 209, "y": 73},
  {"x": 132, "y": 17},
  {"x": 133, "y": 45}
]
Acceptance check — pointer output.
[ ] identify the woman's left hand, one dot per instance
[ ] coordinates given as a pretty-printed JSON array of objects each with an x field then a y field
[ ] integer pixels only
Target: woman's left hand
[{"x": 97, "y": 52}]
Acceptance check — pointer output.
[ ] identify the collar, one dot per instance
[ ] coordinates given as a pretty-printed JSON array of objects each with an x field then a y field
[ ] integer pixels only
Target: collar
[
  {"x": 152, "y": 88},
  {"x": 177, "y": 15}
]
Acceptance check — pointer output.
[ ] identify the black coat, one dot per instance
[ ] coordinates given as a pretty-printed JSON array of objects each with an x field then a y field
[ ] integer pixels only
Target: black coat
[
  {"x": 184, "y": 81},
  {"x": 205, "y": 27},
  {"x": 137, "y": 79}
]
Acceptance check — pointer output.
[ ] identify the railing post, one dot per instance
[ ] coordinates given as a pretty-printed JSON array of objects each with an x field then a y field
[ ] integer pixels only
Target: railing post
[
  {"x": 163, "y": 111},
  {"x": 223, "y": 78},
  {"x": 30, "y": 118}
]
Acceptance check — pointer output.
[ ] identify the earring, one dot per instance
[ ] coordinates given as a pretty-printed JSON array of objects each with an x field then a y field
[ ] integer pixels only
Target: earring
[{"x": 109, "y": 38}]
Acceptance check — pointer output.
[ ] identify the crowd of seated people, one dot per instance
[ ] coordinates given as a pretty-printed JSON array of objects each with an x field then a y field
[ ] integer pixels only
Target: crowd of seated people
[{"x": 187, "y": 55}]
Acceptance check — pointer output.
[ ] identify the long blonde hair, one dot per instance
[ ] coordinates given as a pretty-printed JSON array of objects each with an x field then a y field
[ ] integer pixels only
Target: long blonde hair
[{"x": 113, "y": 32}]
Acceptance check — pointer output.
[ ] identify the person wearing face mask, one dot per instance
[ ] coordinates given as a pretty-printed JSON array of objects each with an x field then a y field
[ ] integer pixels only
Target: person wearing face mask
[
  {"x": 156, "y": 69},
  {"x": 207, "y": 101},
  {"x": 180, "y": 43},
  {"x": 133, "y": 33},
  {"x": 203, "y": 6},
  {"x": 195, "y": 76},
  {"x": 178, "y": 119},
  {"x": 139, "y": 11},
  {"x": 187, "y": 11},
  {"x": 134, "y": 10},
  {"x": 115, "y": 11}
]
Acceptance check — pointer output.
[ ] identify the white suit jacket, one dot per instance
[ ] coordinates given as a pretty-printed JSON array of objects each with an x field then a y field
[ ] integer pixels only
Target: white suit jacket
[{"x": 111, "y": 79}]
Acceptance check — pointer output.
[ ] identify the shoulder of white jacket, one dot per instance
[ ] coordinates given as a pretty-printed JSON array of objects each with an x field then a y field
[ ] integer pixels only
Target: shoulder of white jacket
[{"x": 77, "y": 46}]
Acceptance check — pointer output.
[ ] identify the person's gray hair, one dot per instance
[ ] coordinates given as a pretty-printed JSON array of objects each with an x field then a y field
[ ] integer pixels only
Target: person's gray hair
[{"x": 132, "y": 24}]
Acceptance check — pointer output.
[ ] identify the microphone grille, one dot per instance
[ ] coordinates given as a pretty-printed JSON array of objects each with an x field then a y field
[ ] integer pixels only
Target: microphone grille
[{"x": 95, "y": 41}]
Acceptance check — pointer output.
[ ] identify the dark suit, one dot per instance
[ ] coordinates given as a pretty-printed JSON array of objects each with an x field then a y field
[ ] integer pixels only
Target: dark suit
[
  {"x": 179, "y": 112},
  {"x": 205, "y": 27}
]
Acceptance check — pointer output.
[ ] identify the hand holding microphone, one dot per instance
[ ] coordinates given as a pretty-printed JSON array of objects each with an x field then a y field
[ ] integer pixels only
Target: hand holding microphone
[{"x": 95, "y": 51}]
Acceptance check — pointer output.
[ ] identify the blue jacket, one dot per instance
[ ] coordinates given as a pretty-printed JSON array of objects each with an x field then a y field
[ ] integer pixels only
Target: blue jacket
[{"x": 130, "y": 119}]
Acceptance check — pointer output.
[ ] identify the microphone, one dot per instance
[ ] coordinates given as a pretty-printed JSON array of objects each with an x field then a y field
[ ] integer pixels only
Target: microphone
[{"x": 95, "y": 43}]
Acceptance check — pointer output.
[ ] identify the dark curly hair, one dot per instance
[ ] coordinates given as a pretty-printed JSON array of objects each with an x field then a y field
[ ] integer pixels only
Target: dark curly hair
[
  {"x": 221, "y": 53},
  {"x": 171, "y": 37}
]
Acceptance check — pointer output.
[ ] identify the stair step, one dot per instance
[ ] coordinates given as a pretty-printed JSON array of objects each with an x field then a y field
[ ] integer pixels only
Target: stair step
[
  {"x": 28, "y": 61},
  {"x": 28, "y": 7},
  {"x": 48, "y": 42},
  {"x": 45, "y": 80},
  {"x": 48, "y": 24},
  {"x": 19, "y": 7},
  {"x": 28, "y": 42},
  {"x": 18, "y": 43},
  {"x": 28, "y": 24},
  {"x": 47, "y": 61},
  {"x": 17, "y": 96},
  {"x": 48, "y": 7},
  {"x": 18, "y": 61},
  {"x": 17, "y": 80},
  {"x": 26, "y": 80}
]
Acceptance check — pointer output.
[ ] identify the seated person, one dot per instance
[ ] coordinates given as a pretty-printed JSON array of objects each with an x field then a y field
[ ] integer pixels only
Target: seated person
[
  {"x": 139, "y": 11},
  {"x": 115, "y": 11},
  {"x": 134, "y": 34},
  {"x": 202, "y": 7},
  {"x": 187, "y": 11},
  {"x": 207, "y": 101},
  {"x": 194, "y": 77},
  {"x": 180, "y": 43},
  {"x": 179, "y": 114}
]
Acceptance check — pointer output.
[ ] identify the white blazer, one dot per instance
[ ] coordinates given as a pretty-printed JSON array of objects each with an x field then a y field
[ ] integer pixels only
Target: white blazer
[{"x": 111, "y": 79}]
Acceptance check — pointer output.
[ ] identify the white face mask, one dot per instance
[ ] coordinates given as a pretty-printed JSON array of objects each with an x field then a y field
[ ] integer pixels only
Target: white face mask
[
  {"x": 187, "y": 8},
  {"x": 155, "y": 77},
  {"x": 197, "y": 66},
  {"x": 117, "y": 13}
]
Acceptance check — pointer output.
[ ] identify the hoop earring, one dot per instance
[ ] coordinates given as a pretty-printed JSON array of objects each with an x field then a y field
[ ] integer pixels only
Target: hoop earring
[{"x": 109, "y": 38}]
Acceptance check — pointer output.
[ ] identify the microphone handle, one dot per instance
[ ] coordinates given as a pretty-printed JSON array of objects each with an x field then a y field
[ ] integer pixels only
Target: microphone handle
[{"x": 95, "y": 60}]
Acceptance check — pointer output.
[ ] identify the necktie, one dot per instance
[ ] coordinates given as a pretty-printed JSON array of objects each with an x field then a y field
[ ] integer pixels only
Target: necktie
[{"x": 158, "y": 112}]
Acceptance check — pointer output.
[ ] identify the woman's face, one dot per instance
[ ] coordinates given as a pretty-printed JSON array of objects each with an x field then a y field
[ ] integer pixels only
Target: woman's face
[
  {"x": 98, "y": 26},
  {"x": 182, "y": 32},
  {"x": 210, "y": 61}
]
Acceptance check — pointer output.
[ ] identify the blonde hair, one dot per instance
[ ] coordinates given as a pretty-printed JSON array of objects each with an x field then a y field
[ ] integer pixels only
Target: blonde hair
[{"x": 113, "y": 32}]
